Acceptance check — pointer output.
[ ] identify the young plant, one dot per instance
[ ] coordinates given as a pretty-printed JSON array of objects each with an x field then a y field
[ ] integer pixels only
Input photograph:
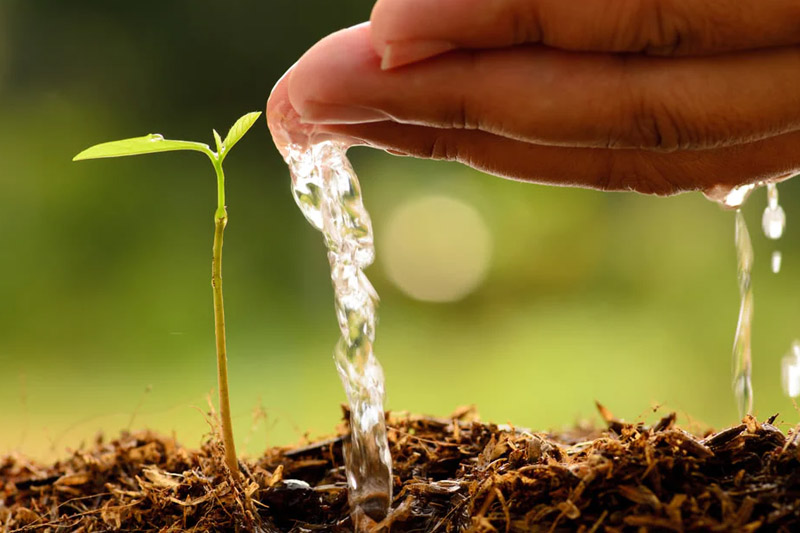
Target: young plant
[{"x": 154, "y": 143}]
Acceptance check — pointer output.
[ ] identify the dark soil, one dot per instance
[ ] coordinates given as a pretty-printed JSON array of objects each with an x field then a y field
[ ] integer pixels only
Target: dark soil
[{"x": 450, "y": 475}]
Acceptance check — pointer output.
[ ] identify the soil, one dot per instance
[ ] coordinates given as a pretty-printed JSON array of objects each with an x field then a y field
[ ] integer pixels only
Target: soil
[{"x": 450, "y": 476}]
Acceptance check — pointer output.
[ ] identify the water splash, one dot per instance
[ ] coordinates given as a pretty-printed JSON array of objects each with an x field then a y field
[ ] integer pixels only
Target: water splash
[{"x": 327, "y": 191}]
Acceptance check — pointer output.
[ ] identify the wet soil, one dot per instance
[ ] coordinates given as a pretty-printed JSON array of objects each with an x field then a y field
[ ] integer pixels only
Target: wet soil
[{"x": 450, "y": 475}]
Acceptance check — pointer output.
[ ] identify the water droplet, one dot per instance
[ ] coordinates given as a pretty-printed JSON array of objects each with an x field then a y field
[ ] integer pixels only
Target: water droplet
[
  {"x": 737, "y": 196},
  {"x": 155, "y": 137},
  {"x": 773, "y": 221},
  {"x": 729, "y": 197},
  {"x": 776, "y": 261},
  {"x": 790, "y": 371},
  {"x": 772, "y": 196}
]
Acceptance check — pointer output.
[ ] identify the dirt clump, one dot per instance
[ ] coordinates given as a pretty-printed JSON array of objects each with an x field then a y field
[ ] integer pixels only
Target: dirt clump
[{"x": 451, "y": 475}]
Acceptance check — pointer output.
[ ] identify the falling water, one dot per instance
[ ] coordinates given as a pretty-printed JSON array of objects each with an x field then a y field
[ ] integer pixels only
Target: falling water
[
  {"x": 742, "y": 356},
  {"x": 772, "y": 222},
  {"x": 327, "y": 191}
]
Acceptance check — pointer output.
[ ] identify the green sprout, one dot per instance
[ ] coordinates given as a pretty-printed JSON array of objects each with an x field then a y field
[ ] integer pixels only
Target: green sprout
[{"x": 154, "y": 143}]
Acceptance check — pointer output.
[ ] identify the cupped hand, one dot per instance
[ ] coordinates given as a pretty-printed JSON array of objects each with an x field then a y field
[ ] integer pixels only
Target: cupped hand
[{"x": 656, "y": 96}]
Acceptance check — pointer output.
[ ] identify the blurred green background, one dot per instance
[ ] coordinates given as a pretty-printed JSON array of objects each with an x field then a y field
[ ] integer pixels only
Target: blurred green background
[{"x": 105, "y": 300}]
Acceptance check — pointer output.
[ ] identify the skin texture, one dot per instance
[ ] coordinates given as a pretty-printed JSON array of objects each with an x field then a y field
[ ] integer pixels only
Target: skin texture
[{"x": 655, "y": 96}]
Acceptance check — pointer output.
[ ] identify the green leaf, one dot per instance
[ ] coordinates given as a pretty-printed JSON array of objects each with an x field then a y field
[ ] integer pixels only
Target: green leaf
[
  {"x": 149, "y": 144},
  {"x": 218, "y": 141},
  {"x": 238, "y": 130}
]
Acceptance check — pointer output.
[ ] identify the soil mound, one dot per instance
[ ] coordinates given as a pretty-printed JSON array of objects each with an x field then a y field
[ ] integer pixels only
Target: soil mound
[{"x": 450, "y": 476}]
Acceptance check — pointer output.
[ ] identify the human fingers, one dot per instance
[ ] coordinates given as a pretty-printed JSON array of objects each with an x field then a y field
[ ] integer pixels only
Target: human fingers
[
  {"x": 284, "y": 122},
  {"x": 606, "y": 169},
  {"x": 411, "y": 30},
  {"x": 548, "y": 96},
  {"x": 597, "y": 168}
]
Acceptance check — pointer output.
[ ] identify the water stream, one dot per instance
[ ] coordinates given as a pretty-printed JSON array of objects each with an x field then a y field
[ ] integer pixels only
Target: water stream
[
  {"x": 327, "y": 191},
  {"x": 742, "y": 355},
  {"x": 773, "y": 222}
]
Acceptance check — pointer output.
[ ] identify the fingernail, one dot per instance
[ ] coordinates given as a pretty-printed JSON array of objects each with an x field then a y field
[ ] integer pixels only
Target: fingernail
[
  {"x": 318, "y": 113},
  {"x": 399, "y": 53}
]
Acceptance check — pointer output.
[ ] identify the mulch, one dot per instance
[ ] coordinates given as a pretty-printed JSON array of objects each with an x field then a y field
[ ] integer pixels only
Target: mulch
[{"x": 451, "y": 475}]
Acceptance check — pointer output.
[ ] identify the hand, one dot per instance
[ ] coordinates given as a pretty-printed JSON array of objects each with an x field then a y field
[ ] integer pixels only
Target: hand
[{"x": 656, "y": 96}]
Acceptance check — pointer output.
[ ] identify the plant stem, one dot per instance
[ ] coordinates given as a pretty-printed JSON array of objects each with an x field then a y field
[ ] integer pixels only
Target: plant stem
[{"x": 220, "y": 221}]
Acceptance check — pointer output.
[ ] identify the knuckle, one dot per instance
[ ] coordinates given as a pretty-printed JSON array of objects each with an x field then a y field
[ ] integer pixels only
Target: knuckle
[
  {"x": 626, "y": 32},
  {"x": 657, "y": 121},
  {"x": 458, "y": 113},
  {"x": 656, "y": 127},
  {"x": 636, "y": 172},
  {"x": 525, "y": 22},
  {"x": 442, "y": 148},
  {"x": 653, "y": 27},
  {"x": 665, "y": 31},
  {"x": 461, "y": 111},
  {"x": 519, "y": 31}
]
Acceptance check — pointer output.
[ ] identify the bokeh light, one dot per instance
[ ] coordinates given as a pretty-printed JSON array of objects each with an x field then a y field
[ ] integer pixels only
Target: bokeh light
[{"x": 436, "y": 248}]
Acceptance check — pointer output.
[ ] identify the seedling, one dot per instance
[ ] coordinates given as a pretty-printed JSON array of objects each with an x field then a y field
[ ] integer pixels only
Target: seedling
[{"x": 154, "y": 143}]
